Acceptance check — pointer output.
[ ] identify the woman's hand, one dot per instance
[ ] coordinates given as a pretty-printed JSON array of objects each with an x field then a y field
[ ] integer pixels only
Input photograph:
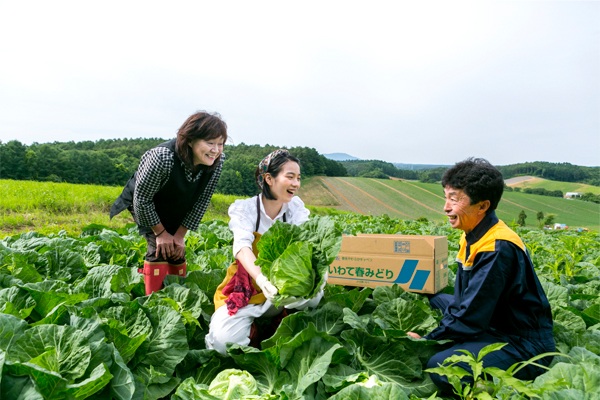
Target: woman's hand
[
  {"x": 179, "y": 240},
  {"x": 268, "y": 289},
  {"x": 165, "y": 245},
  {"x": 413, "y": 335}
]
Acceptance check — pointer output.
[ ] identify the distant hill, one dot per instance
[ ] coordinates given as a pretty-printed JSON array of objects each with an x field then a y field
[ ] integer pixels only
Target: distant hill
[
  {"x": 411, "y": 200},
  {"x": 417, "y": 167},
  {"x": 340, "y": 157}
]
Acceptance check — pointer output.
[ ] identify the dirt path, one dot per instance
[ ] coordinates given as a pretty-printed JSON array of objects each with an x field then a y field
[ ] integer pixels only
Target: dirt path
[
  {"x": 342, "y": 196},
  {"x": 374, "y": 198},
  {"x": 518, "y": 179},
  {"x": 410, "y": 198}
]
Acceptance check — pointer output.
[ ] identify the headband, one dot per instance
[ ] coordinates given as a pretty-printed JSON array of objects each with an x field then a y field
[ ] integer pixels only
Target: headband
[{"x": 263, "y": 166}]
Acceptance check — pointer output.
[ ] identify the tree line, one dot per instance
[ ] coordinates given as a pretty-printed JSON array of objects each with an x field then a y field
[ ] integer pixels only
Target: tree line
[
  {"x": 564, "y": 172},
  {"x": 112, "y": 162},
  {"x": 538, "y": 191}
]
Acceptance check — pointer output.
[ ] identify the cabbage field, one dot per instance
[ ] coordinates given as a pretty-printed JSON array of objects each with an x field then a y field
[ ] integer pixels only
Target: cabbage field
[{"x": 75, "y": 324}]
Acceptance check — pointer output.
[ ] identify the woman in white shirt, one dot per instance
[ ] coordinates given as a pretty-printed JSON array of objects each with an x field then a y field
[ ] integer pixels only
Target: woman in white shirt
[{"x": 246, "y": 293}]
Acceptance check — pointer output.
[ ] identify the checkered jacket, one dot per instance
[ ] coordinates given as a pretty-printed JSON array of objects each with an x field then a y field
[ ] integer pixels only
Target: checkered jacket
[{"x": 153, "y": 173}]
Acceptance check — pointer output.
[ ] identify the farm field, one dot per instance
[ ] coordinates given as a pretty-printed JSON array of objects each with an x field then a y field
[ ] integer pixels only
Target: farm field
[
  {"x": 75, "y": 323},
  {"x": 48, "y": 207},
  {"x": 541, "y": 183},
  {"x": 406, "y": 199}
]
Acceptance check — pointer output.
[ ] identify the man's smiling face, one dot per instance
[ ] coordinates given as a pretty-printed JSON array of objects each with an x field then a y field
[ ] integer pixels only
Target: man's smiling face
[{"x": 461, "y": 214}]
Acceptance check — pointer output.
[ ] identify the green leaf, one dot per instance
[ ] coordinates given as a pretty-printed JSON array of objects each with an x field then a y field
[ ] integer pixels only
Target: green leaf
[
  {"x": 151, "y": 384},
  {"x": 50, "y": 384},
  {"x": 98, "y": 379},
  {"x": 328, "y": 319},
  {"x": 363, "y": 322},
  {"x": 405, "y": 315},
  {"x": 16, "y": 301},
  {"x": 203, "y": 365},
  {"x": 569, "y": 320},
  {"x": 189, "y": 390},
  {"x": 354, "y": 299},
  {"x": 167, "y": 345},
  {"x": 292, "y": 272},
  {"x": 262, "y": 367},
  {"x": 11, "y": 328},
  {"x": 71, "y": 346},
  {"x": 49, "y": 294},
  {"x": 310, "y": 362},
  {"x": 97, "y": 283},
  {"x": 384, "y": 392},
  {"x": 122, "y": 386},
  {"x": 207, "y": 281},
  {"x": 126, "y": 280},
  {"x": 577, "y": 377},
  {"x": 390, "y": 360},
  {"x": 19, "y": 388}
]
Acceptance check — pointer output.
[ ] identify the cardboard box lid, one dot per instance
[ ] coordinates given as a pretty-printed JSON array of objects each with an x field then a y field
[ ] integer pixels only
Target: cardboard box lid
[{"x": 407, "y": 245}]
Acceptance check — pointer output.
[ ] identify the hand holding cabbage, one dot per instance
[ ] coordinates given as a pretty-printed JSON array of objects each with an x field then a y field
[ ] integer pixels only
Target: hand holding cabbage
[{"x": 295, "y": 258}]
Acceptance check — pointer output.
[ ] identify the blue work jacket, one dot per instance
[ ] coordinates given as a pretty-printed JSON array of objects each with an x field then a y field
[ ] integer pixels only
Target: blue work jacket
[{"x": 496, "y": 288}]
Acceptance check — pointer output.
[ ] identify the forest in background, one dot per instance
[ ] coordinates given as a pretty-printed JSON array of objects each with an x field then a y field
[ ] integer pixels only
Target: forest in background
[
  {"x": 564, "y": 172},
  {"x": 113, "y": 161}
]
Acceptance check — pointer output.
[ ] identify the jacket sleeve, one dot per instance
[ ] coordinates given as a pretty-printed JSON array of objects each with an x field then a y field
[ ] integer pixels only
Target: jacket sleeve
[{"x": 470, "y": 312}]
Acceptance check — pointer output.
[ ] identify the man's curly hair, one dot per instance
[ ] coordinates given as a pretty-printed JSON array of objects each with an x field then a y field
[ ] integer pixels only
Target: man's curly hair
[{"x": 479, "y": 179}]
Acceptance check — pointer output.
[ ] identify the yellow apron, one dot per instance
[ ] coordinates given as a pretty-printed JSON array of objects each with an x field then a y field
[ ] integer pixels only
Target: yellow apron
[{"x": 259, "y": 298}]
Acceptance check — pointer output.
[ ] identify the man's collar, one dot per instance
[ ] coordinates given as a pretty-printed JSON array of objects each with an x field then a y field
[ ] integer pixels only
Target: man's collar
[{"x": 482, "y": 228}]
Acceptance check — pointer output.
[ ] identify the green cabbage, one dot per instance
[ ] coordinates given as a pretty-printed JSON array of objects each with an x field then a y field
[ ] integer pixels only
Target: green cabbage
[
  {"x": 295, "y": 258},
  {"x": 232, "y": 384}
]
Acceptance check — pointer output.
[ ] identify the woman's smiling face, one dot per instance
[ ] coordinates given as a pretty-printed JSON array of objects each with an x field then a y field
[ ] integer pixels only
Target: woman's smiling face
[
  {"x": 207, "y": 151},
  {"x": 286, "y": 184}
]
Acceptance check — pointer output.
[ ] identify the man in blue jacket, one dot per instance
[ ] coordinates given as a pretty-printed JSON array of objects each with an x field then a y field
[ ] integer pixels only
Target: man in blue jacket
[{"x": 497, "y": 295}]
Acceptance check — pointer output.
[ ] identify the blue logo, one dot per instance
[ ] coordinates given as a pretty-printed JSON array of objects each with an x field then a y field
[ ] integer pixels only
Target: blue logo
[
  {"x": 419, "y": 278},
  {"x": 401, "y": 247}
]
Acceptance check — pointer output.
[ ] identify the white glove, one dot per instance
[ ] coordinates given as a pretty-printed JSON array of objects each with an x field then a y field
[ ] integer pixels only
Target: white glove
[
  {"x": 302, "y": 304},
  {"x": 267, "y": 287}
]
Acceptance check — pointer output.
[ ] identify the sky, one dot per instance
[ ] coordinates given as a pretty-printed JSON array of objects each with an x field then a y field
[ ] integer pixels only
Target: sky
[{"x": 417, "y": 82}]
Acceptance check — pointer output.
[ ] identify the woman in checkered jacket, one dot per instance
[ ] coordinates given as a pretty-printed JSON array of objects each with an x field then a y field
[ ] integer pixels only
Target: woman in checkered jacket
[{"x": 170, "y": 192}]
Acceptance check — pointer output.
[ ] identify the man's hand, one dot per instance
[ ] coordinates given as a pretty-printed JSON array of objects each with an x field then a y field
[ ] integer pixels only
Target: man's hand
[
  {"x": 413, "y": 335},
  {"x": 165, "y": 245},
  {"x": 267, "y": 287}
]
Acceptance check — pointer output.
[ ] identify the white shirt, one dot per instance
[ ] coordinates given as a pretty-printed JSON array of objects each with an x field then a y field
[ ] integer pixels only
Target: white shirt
[{"x": 242, "y": 214}]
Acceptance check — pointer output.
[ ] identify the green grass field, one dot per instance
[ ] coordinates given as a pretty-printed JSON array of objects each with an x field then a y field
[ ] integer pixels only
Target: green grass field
[
  {"x": 406, "y": 200},
  {"x": 48, "y": 207},
  {"x": 540, "y": 183}
]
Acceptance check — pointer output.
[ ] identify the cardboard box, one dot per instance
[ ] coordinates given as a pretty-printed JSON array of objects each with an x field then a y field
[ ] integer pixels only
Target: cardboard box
[{"x": 416, "y": 263}]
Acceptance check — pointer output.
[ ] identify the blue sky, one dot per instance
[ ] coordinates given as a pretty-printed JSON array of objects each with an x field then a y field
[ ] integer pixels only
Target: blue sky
[{"x": 426, "y": 83}]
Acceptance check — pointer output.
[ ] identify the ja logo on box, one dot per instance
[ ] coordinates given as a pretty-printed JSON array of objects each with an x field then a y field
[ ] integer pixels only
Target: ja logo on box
[{"x": 401, "y": 247}]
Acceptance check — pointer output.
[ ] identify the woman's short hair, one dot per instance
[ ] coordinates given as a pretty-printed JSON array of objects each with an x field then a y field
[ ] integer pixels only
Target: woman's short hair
[
  {"x": 479, "y": 179},
  {"x": 274, "y": 169},
  {"x": 200, "y": 125}
]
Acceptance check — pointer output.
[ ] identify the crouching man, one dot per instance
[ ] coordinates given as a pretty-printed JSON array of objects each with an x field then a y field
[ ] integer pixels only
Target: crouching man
[{"x": 497, "y": 295}]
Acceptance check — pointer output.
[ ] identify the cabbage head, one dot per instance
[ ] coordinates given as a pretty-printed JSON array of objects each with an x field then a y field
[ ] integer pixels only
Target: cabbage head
[
  {"x": 295, "y": 258},
  {"x": 232, "y": 384}
]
